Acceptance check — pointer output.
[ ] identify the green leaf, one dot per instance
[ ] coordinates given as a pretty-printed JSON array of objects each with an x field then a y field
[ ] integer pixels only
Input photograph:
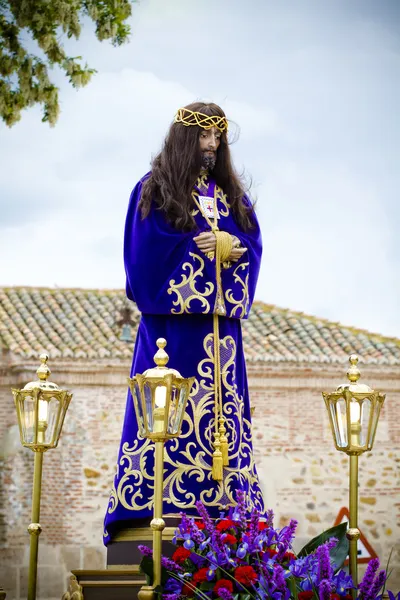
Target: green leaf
[
  {"x": 146, "y": 567},
  {"x": 207, "y": 585},
  {"x": 339, "y": 553},
  {"x": 292, "y": 587}
]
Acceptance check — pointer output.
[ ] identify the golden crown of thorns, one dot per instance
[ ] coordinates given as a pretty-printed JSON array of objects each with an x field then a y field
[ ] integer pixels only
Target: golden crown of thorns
[{"x": 189, "y": 117}]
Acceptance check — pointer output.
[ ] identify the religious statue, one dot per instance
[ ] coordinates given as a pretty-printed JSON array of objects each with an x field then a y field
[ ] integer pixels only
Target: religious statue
[{"x": 192, "y": 254}]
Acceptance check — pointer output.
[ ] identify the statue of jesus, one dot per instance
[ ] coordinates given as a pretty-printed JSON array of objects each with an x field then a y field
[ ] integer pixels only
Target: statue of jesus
[{"x": 192, "y": 255}]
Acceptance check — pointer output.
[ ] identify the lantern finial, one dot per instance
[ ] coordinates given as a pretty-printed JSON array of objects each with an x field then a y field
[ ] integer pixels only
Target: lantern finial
[
  {"x": 353, "y": 372},
  {"x": 161, "y": 358},
  {"x": 43, "y": 372}
]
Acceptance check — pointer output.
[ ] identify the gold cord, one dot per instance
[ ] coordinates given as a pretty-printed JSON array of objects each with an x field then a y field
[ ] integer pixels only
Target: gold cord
[{"x": 223, "y": 248}]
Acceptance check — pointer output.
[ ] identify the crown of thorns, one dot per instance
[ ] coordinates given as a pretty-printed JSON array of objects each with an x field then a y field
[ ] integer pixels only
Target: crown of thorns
[{"x": 189, "y": 117}]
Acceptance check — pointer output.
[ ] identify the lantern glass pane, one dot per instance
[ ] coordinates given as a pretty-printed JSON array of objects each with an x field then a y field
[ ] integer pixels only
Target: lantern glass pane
[
  {"x": 364, "y": 420},
  {"x": 148, "y": 399},
  {"x": 173, "y": 423},
  {"x": 49, "y": 410},
  {"x": 28, "y": 422},
  {"x": 137, "y": 401},
  {"x": 375, "y": 418},
  {"x": 176, "y": 411},
  {"x": 339, "y": 420},
  {"x": 183, "y": 394}
]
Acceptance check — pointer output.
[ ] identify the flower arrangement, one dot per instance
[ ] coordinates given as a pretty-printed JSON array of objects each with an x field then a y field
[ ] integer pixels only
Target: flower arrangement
[{"x": 236, "y": 558}]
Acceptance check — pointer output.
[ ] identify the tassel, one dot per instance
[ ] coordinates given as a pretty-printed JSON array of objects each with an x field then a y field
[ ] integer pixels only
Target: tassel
[
  {"x": 217, "y": 464},
  {"x": 224, "y": 442}
]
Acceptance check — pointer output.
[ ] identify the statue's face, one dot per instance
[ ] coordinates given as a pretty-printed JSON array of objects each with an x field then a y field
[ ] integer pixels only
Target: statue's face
[{"x": 210, "y": 140}]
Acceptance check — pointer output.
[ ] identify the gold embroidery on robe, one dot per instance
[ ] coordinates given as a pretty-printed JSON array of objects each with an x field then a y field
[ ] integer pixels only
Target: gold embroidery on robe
[
  {"x": 194, "y": 460},
  {"x": 241, "y": 304},
  {"x": 186, "y": 290}
]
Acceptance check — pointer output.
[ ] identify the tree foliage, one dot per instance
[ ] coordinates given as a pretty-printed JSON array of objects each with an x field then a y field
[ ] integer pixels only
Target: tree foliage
[{"x": 24, "y": 76}]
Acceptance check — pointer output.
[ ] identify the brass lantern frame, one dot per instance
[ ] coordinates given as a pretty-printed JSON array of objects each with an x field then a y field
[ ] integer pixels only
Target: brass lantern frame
[
  {"x": 357, "y": 441},
  {"x": 170, "y": 381},
  {"x": 39, "y": 391},
  {"x": 154, "y": 423},
  {"x": 38, "y": 394},
  {"x": 353, "y": 445}
]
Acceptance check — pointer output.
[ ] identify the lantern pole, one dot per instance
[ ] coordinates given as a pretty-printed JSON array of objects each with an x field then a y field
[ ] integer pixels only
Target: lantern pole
[
  {"x": 353, "y": 533},
  {"x": 34, "y": 528},
  {"x": 39, "y": 433},
  {"x": 159, "y": 419},
  {"x": 353, "y": 410},
  {"x": 158, "y": 524}
]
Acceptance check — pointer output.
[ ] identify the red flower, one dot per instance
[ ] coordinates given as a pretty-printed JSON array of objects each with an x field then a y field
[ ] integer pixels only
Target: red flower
[
  {"x": 200, "y": 575},
  {"x": 245, "y": 575},
  {"x": 180, "y": 555},
  {"x": 335, "y": 597},
  {"x": 262, "y": 525},
  {"x": 271, "y": 552},
  {"x": 289, "y": 556},
  {"x": 225, "y": 524},
  {"x": 305, "y": 595},
  {"x": 230, "y": 539},
  {"x": 200, "y": 524},
  {"x": 223, "y": 583},
  {"x": 188, "y": 591}
]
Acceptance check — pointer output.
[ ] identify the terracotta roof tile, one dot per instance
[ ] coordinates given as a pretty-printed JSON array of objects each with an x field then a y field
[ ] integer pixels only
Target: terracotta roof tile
[{"x": 79, "y": 323}]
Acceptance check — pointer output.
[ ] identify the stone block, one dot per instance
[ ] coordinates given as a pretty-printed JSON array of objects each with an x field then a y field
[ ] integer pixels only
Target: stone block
[
  {"x": 94, "y": 558},
  {"x": 8, "y": 580},
  {"x": 70, "y": 557},
  {"x": 48, "y": 555},
  {"x": 50, "y": 582}
]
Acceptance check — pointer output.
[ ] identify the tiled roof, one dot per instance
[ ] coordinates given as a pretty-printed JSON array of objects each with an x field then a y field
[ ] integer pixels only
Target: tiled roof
[{"x": 79, "y": 323}]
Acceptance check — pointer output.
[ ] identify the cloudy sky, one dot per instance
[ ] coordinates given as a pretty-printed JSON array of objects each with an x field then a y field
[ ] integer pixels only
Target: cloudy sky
[{"x": 314, "y": 87}]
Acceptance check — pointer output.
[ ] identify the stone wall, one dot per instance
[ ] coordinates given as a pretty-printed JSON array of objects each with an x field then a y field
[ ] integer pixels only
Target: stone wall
[{"x": 303, "y": 476}]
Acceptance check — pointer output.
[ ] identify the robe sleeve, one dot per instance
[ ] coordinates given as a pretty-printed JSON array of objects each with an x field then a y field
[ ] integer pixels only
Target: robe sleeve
[
  {"x": 240, "y": 279},
  {"x": 166, "y": 273}
]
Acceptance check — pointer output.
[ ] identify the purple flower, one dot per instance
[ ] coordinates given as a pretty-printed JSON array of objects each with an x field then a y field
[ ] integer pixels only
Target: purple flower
[
  {"x": 324, "y": 563},
  {"x": 145, "y": 550},
  {"x": 342, "y": 582},
  {"x": 170, "y": 565},
  {"x": 278, "y": 578},
  {"x": 224, "y": 594},
  {"x": 392, "y": 596},
  {"x": 173, "y": 586},
  {"x": 253, "y": 526},
  {"x": 368, "y": 578},
  {"x": 324, "y": 590},
  {"x": 270, "y": 517},
  {"x": 377, "y": 585},
  {"x": 189, "y": 529},
  {"x": 239, "y": 514},
  {"x": 209, "y": 525},
  {"x": 170, "y": 596},
  {"x": 285, "y": 538},
  {"x": 242, "y": 551}
]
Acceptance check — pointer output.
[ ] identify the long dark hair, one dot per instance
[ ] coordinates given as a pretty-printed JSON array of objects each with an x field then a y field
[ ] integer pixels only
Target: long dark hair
[{"x": 176, "y": 168}]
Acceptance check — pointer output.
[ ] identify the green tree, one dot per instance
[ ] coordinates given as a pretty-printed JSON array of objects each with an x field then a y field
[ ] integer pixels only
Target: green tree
[{"x": 24, "y": 76}]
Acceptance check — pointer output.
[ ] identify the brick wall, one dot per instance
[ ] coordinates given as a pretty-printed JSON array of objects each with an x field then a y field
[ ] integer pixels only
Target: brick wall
[{"x": 303, "y": 476}]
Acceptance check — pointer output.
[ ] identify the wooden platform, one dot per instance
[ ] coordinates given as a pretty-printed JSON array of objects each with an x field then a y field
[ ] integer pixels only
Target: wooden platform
[{"x": 105, "y": 584}]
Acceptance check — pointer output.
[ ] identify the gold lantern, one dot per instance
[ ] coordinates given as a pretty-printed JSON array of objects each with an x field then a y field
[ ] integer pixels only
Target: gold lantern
[
  {"x": 159, "y": 396},
  {"x": 41, "y": 408},
  {"x": 353, "y": 410}
]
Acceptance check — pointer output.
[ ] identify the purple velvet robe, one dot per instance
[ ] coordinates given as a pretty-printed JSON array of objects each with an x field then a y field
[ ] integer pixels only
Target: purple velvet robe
[{"x": 174, "y": 286}]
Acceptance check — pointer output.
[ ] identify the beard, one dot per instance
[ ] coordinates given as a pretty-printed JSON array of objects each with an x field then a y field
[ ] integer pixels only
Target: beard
[{"x": 208, "y": 160}]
